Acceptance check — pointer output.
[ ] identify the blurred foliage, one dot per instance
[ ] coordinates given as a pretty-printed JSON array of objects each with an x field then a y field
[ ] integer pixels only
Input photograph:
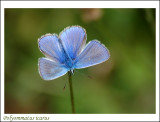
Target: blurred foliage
[{"x": 123, "y": 84}]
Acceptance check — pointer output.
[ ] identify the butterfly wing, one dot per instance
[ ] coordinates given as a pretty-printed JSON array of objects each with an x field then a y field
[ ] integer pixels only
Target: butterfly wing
[
  {"x": 73, "y": 40},
  {"x": 50, "y": 70},
  {"x": 94, "y": 53},
  {"x": 50, "y": 46}
]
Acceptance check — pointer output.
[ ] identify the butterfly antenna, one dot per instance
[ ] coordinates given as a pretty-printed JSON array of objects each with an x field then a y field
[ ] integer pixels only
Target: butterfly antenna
[
  {"x": 90, "y": 77},
  {"x": 64, "y": 85}
]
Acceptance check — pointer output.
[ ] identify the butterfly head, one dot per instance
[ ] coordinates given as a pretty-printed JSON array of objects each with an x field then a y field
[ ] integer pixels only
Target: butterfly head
[{"x": 72, "y": 71}]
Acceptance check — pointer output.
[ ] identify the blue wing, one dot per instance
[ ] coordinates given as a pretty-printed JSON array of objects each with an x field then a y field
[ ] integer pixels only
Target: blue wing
[
  {"x": 73, "y": 39},
  {"x": 94, "y": 53},
  {"x": 50, "y": 46},
  {"x": 50, "y": 70}
]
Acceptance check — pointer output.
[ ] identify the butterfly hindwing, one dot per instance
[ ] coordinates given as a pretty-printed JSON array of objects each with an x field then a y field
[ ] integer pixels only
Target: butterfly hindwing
[
  {"x": 50, "y": 70},
  {"x": 94, "y": 53}
]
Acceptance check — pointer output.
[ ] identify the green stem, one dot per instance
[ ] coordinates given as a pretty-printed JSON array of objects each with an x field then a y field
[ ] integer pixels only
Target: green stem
[{"x": 71, "y": 91}]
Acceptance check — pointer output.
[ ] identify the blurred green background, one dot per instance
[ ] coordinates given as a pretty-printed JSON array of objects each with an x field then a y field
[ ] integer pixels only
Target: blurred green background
[{"x": 123, "y": 84}]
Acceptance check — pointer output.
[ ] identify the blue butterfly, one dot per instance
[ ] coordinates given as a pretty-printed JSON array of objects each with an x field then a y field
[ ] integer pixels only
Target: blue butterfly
[{"x": 69, "y": 51}]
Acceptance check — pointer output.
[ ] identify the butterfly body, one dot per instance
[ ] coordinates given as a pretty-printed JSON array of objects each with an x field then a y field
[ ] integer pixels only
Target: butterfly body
[
  {"x": 68, "y": 51},
  {"x": 67, "y": 60}
]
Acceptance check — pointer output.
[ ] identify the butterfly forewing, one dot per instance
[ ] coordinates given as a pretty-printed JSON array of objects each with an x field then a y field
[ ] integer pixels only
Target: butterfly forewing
[
  {"x": 73, "y": 39},
  {"x": 94, "y": 53},
  {"x": 51, "y": 48}
]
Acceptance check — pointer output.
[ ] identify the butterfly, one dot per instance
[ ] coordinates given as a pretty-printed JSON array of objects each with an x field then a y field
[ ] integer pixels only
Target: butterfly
[{"x": 68, "y": 51}]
